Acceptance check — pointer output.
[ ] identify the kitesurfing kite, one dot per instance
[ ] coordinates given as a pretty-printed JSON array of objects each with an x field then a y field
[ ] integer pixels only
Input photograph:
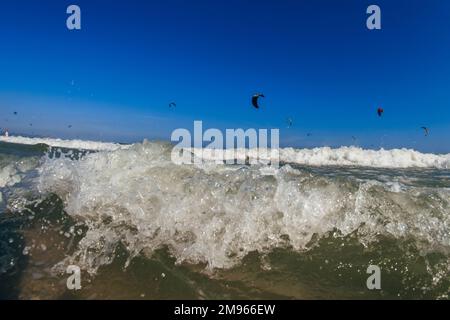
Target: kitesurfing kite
[
  {"x": 426, "y": 131},
  {"x": 380, "y": 112},
  {"x": 255, "y": 99},
  {"x": 15, "y": 113},
  {"x": 172, "y": 105}
]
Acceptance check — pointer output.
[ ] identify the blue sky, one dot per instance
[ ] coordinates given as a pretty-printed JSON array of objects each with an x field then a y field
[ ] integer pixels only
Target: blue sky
[{"x": 315, "y": 61}]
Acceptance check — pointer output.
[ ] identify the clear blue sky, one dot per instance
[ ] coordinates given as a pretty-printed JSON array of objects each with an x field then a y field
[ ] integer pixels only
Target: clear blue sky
[{"x": 315, "y": 61}]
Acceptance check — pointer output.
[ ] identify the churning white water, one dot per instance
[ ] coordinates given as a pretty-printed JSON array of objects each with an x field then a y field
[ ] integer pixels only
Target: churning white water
[{"x": 217, "y": 214}]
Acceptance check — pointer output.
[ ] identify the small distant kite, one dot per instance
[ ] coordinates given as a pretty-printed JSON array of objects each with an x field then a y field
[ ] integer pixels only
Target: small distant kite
[
  {"x": 31, "y": 124},
  {"x": 289, "y": 122},
  {"x": 380, "y": 112},
  {"x": 172, "y": 105},
  {"x": 255, "y": 99},
  {"x": 309, "y": 134},
  {"x": 69, "y": 126},
  {"x": 15, "y": 113},
  {"x": 425, "y": 129}
]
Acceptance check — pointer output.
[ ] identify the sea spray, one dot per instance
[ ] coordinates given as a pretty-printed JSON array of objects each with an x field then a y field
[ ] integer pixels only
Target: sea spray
[
  {"x": 303, "y": 222},
  {"x": 220, "y": 214}
]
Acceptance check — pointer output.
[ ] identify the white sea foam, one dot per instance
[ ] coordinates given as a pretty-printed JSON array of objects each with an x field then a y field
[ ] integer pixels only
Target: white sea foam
[
  {"x": 324, "y": 156},
  {"x": 60, "y": 143},
  {"x": 218, "y": 214},
  {"x": 8, "y": 176},
  {"x": 12, "y": 169},
  {"x": 353, "y": 156},
  {"x": 343, "y": 156}
]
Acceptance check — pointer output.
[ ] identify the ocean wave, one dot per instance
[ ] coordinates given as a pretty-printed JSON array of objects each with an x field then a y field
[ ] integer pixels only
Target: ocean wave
[
  {"x": 343, "y": 156},
  {"x": 353, "y": 156},
  {"x": 323, "y": 156},
  {"x": 218, "y": 214},
  {"x": 60, "y": 143}
]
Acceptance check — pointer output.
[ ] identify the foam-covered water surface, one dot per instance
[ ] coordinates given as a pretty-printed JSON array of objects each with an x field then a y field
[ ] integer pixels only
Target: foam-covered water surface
[
  {"x": 230, "y": 231},
  {"x": 61, "y": 143}
]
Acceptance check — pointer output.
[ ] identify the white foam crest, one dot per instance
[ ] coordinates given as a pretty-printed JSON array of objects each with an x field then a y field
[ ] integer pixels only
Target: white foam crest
[
  {"x": 217, "y": 216},
  {"x": 60, "y": 143},
  {"x": 343, "y": 156},
  {"x": 323, "y": 156},
  {"x": 354, "y": 156}
]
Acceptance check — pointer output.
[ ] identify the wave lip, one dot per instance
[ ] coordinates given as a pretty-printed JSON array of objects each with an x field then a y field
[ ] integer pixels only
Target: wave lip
[{"x": 69, "y": 144}]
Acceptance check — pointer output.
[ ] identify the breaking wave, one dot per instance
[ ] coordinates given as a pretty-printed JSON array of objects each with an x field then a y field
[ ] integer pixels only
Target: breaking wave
[
  {"x": 60, "y": 143},
  {"x": 324, "y": 156},
  {"x": 347, "y": 207},
  {"x": 343, "y": 156},
  {"x": 353, "y": 156},
  {"x": 216, "y": 214}
]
